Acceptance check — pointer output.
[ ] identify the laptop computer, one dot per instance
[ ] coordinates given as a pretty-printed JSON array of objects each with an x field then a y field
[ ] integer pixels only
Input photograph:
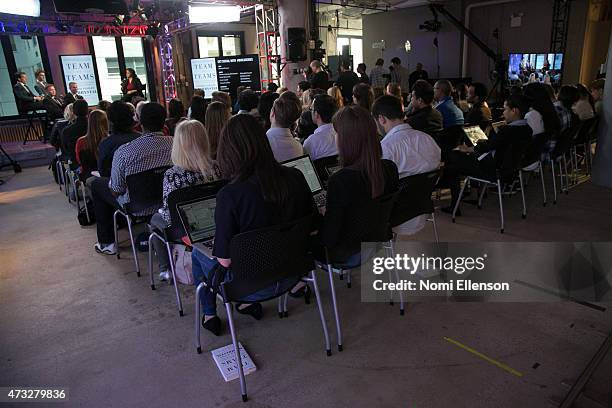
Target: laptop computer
[
  {"x": 304, "y": 164},
  {"x": 198, "y": 219},
  {"x": 474, "y": 134}
]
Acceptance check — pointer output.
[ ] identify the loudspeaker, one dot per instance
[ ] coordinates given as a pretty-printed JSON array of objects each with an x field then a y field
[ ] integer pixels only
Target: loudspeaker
[{"x": 296, "y": 44}]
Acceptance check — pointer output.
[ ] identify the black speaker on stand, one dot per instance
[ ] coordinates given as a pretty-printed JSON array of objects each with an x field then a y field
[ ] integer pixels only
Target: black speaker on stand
[{"x": 296, "y": 44}]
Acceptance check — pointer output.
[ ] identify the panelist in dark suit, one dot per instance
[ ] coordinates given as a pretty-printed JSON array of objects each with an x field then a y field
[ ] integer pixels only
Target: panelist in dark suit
[
  {"x": 25, "y": 98},
  {"x": 73, "y": 95},
  {"x": 131, "y": 85},
  {"x": 41, "y": 82},
  {"x": 52, "y": 103}
]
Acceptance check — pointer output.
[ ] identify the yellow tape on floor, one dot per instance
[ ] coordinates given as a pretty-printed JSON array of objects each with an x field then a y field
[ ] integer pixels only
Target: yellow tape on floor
[{"x": 486, "y": 358}]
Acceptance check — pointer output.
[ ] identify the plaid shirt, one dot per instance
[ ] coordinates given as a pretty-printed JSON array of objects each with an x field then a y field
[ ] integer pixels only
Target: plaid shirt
[
  {"x": 376, "y": 77},
  {"x": 565, "y": 115},
  {"x": 146, "y": 152}
]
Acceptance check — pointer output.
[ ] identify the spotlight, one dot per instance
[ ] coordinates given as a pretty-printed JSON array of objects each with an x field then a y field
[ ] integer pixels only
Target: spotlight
[
  {"x": 153, "y": 29},
  {"x": 61, "y": 27},
  {"x": 118, "y": 20}
]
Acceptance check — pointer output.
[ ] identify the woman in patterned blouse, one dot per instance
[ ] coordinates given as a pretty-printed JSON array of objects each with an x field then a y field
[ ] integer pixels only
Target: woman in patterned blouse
[{"x": 192, "y": 165}]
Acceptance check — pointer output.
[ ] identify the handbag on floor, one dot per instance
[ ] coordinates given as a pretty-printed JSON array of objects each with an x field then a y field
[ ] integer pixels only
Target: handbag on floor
[
  {"x": 82, "y": 216},
  {"x": 182, "y": 264}
]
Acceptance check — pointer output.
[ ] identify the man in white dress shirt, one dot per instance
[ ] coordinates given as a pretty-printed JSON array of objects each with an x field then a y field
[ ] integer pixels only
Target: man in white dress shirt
[
  {"x": 285, "y": 112},
  {"x": 322, "y": 143},
  {"x": 413, "y": 151}
]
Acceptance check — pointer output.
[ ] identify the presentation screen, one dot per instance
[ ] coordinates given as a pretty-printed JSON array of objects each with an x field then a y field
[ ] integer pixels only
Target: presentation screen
[
  {"x": 204, "y": 72},
  {"x": 229, "y": 73},
  {"x": 80, "y": 69},
  {"x": 525, "y": 68}
]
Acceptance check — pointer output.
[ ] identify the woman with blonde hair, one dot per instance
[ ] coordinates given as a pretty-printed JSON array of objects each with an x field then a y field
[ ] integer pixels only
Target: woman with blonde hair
[
  {"x": 86, "y": 148},
  {"x": 335, "y": 93},
  {"x": 192, "y": 166},
  {"x": 217, "y": 116}
]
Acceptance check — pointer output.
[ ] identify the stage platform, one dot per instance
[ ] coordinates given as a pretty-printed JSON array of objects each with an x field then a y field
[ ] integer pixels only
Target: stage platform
[{"x": 31, "y": 154}]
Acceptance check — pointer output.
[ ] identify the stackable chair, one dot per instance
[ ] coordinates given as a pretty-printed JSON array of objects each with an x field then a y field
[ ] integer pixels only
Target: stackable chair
[
  {"x": 582, "y": 141},
  {"x": 371, "y": 224},
  {"x": 559, "y": 157},
  {"x": 414, "y": 200},
  {"x": 532, "y": 161},
  {"x": 174, "y": 233},
  {"x": 146, "y": 192},
  {"x": 261, "y": 258},
  {"x": 78, "y": 187}
]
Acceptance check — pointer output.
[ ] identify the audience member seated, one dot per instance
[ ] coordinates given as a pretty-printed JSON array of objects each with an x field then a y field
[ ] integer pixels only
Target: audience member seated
[
  {"x": 265, "y": 107},
  {"x": 121, "y": 120},
  {"x": 335, "y": 93},
  {"x": 509, "y": 140},
  {"x": 73, "y": 95},
  {"x": 346, "y": 81},
  {"x": 451, "y": 114},
  {"x": 198, "y": 109},
  {"x": 597, "y": 90},
  {"x": 137, "y": 111},
  {"x": 568, "y": 96},
  {"x": 176, "y": 114},
  {"x": 584, "y": 107},
  {"x": 236, "y": 106},
  {"x": 305, "y": 125},
  {"x": 196, "y": 92},
  {"x": 146, "y": 152},
  {"x": 87, "y": 146},
  {"x": 424, "y": 117},
  {"x": 363, "y": 96},
  {"x": 248, "y": 101},
  {"x": 52, "y": 104},
  {"x": 103, "y": 105},
  {"x": 285, "y": 112},
  {"x": 365, "y": 176},
  {"x": 542, "y": 116},
  {"x": 71, "y": 134},
  {"x": 223, "y": 97},
  {"x": 192, "y": 165},
  {"x": 261, "y": 193},
  {"x": 217, "y": 116},
  {"x": 56, "y": 133},
  {"x": 302, "y": 87},
  {"x": 460, "y": 97},
  {"x": 25, "y": 98},
  {"x": 479, "y": 114},
  {"x": 322, "y": 143}
]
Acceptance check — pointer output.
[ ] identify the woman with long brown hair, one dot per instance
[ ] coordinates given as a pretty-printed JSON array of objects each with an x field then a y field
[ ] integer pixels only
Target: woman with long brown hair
[
  {"x": 363, "y": 96},
  {"x": 86, "y": 148},
  {"x": 260, "y": 193},
  {"x": 364, "y": 177},
  {"x": 217, "y": 116}
]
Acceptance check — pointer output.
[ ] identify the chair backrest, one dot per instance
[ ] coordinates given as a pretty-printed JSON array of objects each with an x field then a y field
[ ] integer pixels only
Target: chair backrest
[
  {"x": 191, "y": 193},
  {"x": 535, "y": 148},
  {"x": 564, "y": 141},
  {"x": 325, "y": 166},
  {"x": 513, "y": 157},
  {"x": 414, "y": 197},
  {"x": 449, "y": 138},
  {"x": 145, "y": 189},
  {"x": 588, "y": 131},
  {"x": 264, "y": 256}
]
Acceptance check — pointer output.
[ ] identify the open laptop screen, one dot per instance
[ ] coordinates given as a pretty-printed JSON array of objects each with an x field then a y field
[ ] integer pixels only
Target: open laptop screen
[
  {"x": 475, "y": 133},
  {"x": 199, "y": 219},
  {"x": 304, "y": 165}
]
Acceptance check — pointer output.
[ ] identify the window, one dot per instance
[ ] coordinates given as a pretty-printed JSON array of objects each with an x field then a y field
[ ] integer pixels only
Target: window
[
  {"x": 355, "y": 48},
  {"x": 107, "y": 62},
  {"x": 7, "y": 99},
  {"x": 134, "y": 57},
  {"x": 27, "y": 57},
  {"x": 220, "y": 44}
]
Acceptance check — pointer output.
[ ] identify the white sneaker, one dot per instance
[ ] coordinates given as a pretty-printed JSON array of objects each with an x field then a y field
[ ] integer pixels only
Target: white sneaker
[
  {"x": 164, "y": 276},
  {"x": 109, "y": 249}
]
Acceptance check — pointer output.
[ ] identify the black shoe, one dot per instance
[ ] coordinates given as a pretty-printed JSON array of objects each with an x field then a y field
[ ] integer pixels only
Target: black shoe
[
  {"x": 449, "y": 210},
  {"x": 254, "y": 309},
  {"x": 212, "y": 325},
  {"x": 304, "y": 291}
]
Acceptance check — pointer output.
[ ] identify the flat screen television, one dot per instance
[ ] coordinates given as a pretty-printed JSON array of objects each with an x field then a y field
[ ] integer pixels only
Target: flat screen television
[{"x": 524, "y": 68}]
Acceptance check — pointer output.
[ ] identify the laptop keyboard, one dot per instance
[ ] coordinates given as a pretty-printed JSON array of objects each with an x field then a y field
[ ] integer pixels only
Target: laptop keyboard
[{"x": 320, "y": 199}]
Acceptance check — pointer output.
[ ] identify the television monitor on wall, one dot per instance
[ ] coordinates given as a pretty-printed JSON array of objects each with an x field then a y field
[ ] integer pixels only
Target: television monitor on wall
[
  {"x": 226, "y": 73},
  {"x": 524, "y": 68}
]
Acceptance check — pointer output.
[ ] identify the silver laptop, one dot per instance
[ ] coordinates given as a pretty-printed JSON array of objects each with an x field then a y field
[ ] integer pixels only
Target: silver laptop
[
  {"x": 304, "y": 164},
  {"x": 198, "y": 219},
  {"x": 474, "y": 134}
]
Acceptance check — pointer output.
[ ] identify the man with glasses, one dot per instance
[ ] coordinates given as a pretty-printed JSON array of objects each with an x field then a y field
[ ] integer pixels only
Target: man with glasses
[
  {"x": 451, "y": 114},
  {"x": 322, "y": 143}
]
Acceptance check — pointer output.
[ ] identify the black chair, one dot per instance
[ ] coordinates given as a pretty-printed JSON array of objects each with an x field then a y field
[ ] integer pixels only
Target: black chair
[
  {"x": 583, "y": 140},
  {"x": 559, "y": 156},
  {"x": 532, "y": 160},
  {"x": 145, "y": 190},
  {"x": 174, "y": 233},
  {"x": 449, "y": 138},
  {"x": 325, "y": 167},
  {"x": 261, "y": 258},
  {"x": 369, "y": 223}
]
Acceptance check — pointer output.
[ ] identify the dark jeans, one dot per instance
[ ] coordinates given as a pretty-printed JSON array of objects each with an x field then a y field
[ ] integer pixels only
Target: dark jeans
[
  {"x": 467, "y": 164},
  {"x": 105, "y": 205}
]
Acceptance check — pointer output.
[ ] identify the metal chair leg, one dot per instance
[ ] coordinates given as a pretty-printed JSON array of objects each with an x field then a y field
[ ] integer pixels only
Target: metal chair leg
[
  {"x": 459, "y": 198},
  {"x": 541, "y": 168},
  {"x": 435, "y": 227},
  {"x": 397, "y": 278},
  {"x": 179, "y": 303},
  {"x": 348, "y": 278},
  {"x": 280, "y": 307},
  {"x": 554, "y": 180},
  {"x": 199, "y": 290},
  {"x": 84, "y": 192},
  {"x": 335, "y": 305},
  {"x": 150, "y": 261},
  {"x": 115, "y": 214},
  {"x": 315, "y": 287},
  {"x": 388, "y": 255},
  {"x": 230, "y": 318},
  {"x": 524, "y": 214},
  {"x": 501, "y": 205},
  {"x": 481, "y": 195},
  {"x": 134, "y": 253},
  {"x": 285, "y": 300}
]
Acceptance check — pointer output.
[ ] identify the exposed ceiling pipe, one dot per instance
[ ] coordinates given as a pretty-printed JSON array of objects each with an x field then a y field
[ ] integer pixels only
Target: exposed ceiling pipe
[{"x": 466, "y": 42}]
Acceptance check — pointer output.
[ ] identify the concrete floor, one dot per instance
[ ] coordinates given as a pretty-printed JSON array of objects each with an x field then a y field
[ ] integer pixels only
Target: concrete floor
[{"x": 72, "y": 318}]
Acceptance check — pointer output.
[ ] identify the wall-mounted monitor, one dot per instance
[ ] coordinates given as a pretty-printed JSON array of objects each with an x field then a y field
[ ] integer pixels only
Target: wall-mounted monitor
[
  {"x": 226, "y": 73},
  {"x": 524, "y": 68}
]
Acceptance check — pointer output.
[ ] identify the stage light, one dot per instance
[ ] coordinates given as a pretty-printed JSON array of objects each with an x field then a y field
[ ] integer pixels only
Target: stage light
[
  {"x": 408, "y": 46},
  {"x": 22, "y": 7},
  {"x": 213, "y": 14}
]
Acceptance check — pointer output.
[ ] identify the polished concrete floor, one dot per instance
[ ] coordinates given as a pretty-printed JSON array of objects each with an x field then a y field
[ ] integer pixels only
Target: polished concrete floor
[{"x": 72, "y": 318}]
